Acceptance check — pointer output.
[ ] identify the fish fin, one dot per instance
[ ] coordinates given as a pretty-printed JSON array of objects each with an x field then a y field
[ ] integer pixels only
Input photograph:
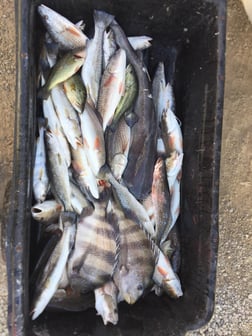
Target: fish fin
[
  {"x": 86, "y": 212},
  {"x": 104, "y": 18},
  {"x": 161, "y": 271}
]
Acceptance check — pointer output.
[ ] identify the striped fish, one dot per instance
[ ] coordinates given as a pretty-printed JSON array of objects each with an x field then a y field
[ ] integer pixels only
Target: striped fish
[
  {"x": 96, "y": 250},
  {"x": 136, "y": 262}
]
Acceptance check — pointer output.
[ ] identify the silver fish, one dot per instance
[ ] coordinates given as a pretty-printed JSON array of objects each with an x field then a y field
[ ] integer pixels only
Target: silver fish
[
  {"x": 46, "y": 211},
  {"x": 112, "y": 87},
  {"x": 78, "y": 200},
  {"x": 63, "y": 31},
  {"x": 109, "y": 47},
  {"x": 83, "y": 173},
  {"x": 92, "y": 68},
  {"x": 58, "y": 170},
  {"x": 160, "y": 199},
  {"x": 53, "y": 124},
  {"x": 49, "y": 280},
  {"x": 118, "y": 146},
  {"x": 138, "y": 173},
  {"x": 165, "y": 277},
  {"x": 40, "y": 177},
  {"x": 93, "y": 139},
  {"x": 171, "y": 132},
  {"x": 67, "y": 116},
  {"x": 106, "y": 303}
]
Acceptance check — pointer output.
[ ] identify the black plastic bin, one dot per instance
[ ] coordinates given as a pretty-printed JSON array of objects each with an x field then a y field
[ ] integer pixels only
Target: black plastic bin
[{"x": 195, "y": 30}]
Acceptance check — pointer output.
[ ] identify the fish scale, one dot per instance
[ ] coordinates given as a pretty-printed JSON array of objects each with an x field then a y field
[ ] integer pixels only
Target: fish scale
[
  {"x": 96, "y": 251},
  {"x": 136, "y": 260}
]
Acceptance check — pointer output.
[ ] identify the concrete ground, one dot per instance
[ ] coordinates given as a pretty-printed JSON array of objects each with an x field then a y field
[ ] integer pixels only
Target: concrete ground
[{"x": 234, "y": 281}]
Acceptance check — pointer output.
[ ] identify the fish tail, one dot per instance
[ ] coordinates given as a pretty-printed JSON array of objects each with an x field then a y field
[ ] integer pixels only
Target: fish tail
[{"x": 103, "y": 18}]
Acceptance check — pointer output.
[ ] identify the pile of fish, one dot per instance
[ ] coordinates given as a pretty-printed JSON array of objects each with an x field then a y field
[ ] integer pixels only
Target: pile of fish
[{"x": 107, "y": 168}]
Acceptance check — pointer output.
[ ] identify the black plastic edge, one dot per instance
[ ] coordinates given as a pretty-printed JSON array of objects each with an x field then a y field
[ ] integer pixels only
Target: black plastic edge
[
  {"x": 214, "y": 234},
  {"x": 17, "y": 264}
]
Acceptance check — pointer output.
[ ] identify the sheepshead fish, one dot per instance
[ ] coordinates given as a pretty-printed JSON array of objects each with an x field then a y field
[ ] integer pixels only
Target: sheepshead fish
[
  {"x": 66, "y": 67},
  {"x": 160, "y": 199},
  {"x": 106, "y": 302},
  {"x": 95, "y": 255},
  {"x": 58, "y": 171},
  {"x": 63, "y": 31},
  {"x": 48, "y": 281},
  {"x": 40, "y": 177},
  {"x": 118, "y": 145},
  {"x": 92, "y": 68},
  {"x": 93, "y": 139},
  {"x": 131, "y": 206},
  {"x": 142, "y": 154},
  {"x": 136, "y": 261},
  {"x": 75, "y": 92},
  {"x": 112, "y": 87}
]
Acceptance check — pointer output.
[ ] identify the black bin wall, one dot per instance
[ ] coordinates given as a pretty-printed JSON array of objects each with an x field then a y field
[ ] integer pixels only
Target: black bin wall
[{"x": 194, "y": 31}]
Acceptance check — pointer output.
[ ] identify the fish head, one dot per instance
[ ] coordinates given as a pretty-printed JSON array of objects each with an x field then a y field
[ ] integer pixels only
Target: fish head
[
  {"x": 106, "y": 307},
  {"x": 132, "y": 284},
  {"x": 172, "y": 287}
]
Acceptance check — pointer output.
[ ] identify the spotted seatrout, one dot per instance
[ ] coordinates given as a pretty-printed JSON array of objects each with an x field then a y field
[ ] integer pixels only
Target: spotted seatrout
[
  {"x": 67, "y": 116},
  {"x": 93, "y": 139},
  {"x": 118, "y": 146},
  {"x": 112, "y": 87},
  {"x": 48, "y": 281},
  {"x": 92, "y": 68},
  {"x": 164, "y": 276},
  {"x": 40, "y": 177},
  {"x": 82, "y": 171},
  {"x": 63, "y": 31},
  {"x": 58, "y": 171},
  {"x": 95, "y": 254},
  {"x": 160, "y": 199}
]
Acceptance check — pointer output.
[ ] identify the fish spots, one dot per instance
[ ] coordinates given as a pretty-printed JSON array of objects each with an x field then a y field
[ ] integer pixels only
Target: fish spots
[
  {"x": 110, "y": 80},
  {"x": 162, "y": 271},
  {"x": 97, "y": 143},
  {"x": 121, "y": 88},
  {"x": 73, "y": 31}
]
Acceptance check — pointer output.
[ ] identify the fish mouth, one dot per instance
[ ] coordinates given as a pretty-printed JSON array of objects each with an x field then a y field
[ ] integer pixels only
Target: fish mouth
[{"x": 129, "y": 299}]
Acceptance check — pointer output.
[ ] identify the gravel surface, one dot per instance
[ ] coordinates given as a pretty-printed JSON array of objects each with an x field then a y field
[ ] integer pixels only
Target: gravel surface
[{"x": 234, "y": 280}]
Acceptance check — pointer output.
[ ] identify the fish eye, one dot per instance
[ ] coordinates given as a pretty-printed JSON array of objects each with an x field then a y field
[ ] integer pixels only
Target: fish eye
[
  {"x": 140, "y": 287},
  {"x": 115, "y": 311}
]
